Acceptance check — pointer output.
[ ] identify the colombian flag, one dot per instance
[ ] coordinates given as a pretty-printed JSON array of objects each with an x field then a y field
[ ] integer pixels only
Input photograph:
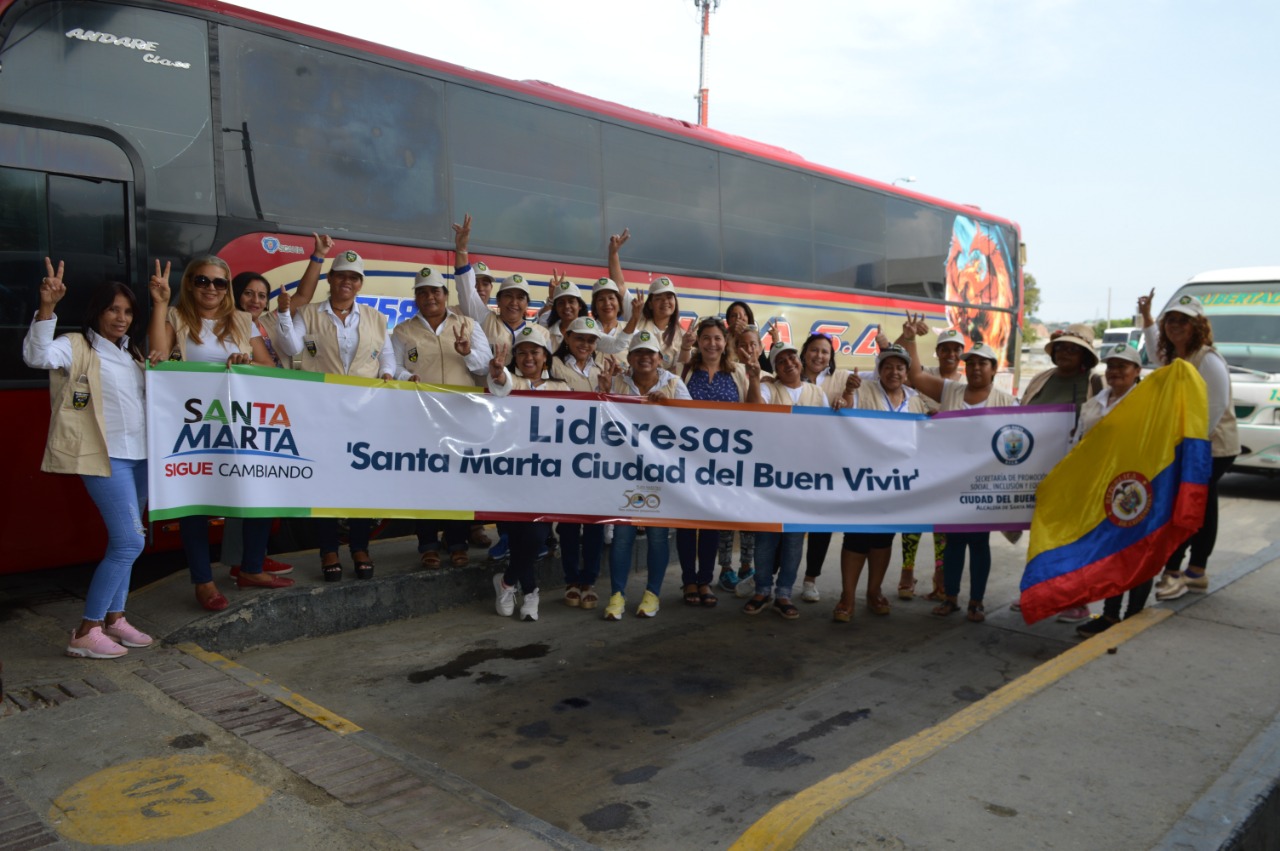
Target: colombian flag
[{"x": 1111, "y": 513}]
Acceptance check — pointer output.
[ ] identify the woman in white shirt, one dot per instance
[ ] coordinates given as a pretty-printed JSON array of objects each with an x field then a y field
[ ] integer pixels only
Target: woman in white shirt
[
  {"x": 976, "y": 391},
  {"x": 205, "y": 327},
  {"x": 97, "y": 430}
]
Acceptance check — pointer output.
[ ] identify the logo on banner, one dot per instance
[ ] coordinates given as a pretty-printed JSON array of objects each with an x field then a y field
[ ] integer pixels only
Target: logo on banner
[
  {"x": 1128, "y": 499},
  {"x": 1012, "y": 444},
  {"x": 641, "y": 500},
  {"x": 237, "y": 428}
]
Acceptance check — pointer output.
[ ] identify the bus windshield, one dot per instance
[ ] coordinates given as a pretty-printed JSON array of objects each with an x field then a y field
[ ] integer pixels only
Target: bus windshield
[{"x": 1246, "y": 322}]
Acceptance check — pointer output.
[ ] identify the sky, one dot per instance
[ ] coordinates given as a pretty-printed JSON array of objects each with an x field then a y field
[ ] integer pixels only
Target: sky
[{"x": 1134, "y": 141}]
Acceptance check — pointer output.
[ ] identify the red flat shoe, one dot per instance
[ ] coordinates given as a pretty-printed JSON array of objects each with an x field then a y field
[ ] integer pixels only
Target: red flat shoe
[
  {"x": 214, "y": 602},
  {"x": 242, "y": 581}
]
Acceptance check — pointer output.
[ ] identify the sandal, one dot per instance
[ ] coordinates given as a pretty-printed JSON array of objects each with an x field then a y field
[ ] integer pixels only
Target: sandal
[
  {"x": 331, "y": 572},
  {"x": 755, "y": 606},
  {"x": 879, "y": 605},
  {"x": 706, "y": 599},
  {"x": 939, "y": 593},
  {"x": 691, "y": 596},
  {"x": 430, "y": 559},
  {"x": 843, "y": 612},
  {"x": 364, "y": 570},
  {"x": 459, "y": 558},
  {"x": 784, "y": 608},
  {"x": 948, "y": 607},
  {"x": 572, "y": 596},
  {"x": 590, "y": 599},
  {"x": 906, "y": 588},
  {"x": 976, "y": 612},
  {"x": 745, "y": 572}
]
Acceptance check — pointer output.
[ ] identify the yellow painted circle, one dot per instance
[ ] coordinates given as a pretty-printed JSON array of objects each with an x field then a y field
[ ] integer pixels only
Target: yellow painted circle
[{"x": 155, "y": 799}]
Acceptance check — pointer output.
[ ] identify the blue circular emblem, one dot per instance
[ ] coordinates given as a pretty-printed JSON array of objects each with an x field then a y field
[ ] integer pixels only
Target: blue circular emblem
[
  {"x": 1012, "y": 444},
  {"x": 270, "y": 244}
]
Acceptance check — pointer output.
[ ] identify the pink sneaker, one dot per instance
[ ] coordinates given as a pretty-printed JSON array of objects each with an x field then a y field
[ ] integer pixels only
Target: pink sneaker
[
  {"x": 94, "y": 645},
  {"x": 127, "y": 634},
  {"x": 1075, "y": 614}
]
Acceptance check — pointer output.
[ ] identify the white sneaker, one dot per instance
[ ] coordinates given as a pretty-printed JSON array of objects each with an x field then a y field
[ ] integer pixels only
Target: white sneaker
[
  {"x": 1170, "y": 587},
  {"x": 529, "y": 606},
  {"x": 608, "y": 534},
  {"x": 745, "y": 590},
  {"x": 506, "y": 602},
  {"x": 810, "y": 593}
]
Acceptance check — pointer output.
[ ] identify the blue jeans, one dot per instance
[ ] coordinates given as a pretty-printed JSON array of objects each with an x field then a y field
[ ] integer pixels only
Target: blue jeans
[
  {"x": 120, "y": 498},
  {"x": 195, "y": 543},
  {"x": 788, "y": 547},
  {"x": 979, "y": 546},
  {"x": 358, "y": 531},
  {"x": 455, "y": 535},
  {"x": 697, "y": 549},
  {"x": 658, "y": 544},
  {"x": 580, "y": 568}
]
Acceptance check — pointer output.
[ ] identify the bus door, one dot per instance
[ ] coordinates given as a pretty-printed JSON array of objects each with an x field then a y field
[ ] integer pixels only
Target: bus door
[{"x": 67, "y": 197}]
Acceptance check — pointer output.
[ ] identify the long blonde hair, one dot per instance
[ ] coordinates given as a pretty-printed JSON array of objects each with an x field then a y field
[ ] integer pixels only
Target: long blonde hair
[{"x": 187, "y": 309}]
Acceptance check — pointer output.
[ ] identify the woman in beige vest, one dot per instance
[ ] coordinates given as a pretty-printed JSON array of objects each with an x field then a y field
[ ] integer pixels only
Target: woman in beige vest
[
  {"x": 661, "y": 318},
  {"x": 976, "y": 391},
  {"x": 205, "y": 327},
  {"x": 97, "y": 430},
  {"x": 746, "y": 343},
  {"x": 342, "y": 337},
  {"x": 1184, "y": 332}
]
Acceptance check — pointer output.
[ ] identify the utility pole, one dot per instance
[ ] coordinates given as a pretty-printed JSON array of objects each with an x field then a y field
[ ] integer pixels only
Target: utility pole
[{"x": 706, "y": 7}]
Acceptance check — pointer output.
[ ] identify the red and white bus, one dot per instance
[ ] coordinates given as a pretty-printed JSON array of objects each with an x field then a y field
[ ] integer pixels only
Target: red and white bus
[{"x": 139, "y": 130}]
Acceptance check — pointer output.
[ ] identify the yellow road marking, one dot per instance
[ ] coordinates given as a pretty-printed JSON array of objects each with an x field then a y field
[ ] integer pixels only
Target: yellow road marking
[
  {"x": 291, "y": 699},
  {"x": 155, "y": 799},
  {"x": 786, "y": 824}
]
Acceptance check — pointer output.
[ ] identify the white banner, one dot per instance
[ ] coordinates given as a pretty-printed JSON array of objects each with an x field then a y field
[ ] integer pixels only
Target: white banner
[{"x": 270, "y": 443}]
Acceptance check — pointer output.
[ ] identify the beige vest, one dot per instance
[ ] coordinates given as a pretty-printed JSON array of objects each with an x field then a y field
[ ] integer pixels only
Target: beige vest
[
  {"x": 670, "y": 354},
  {"x": 870, "y": 397},
  {"x": 1091, "y": 413},
  {"x": 497, "y": 331},
  {"x": 953, "y": 397},
  {"x": 810, "y": 396},
  {"x": 668, "y": 389},
  {"x": 561, "y": 371},
  {"x": 320, "y": 342},
  {"x": 548, "y": 386},
  {"x": 1035, "y": 385},
  {"x": 432, "y": 357},
  {"x": 1225, "y": 439},
  {"x": 77, "y": 441},
  {"x": 241, "y": 330}
]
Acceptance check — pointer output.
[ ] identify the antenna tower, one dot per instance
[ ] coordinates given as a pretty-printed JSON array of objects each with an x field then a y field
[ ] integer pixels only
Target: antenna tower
[{"x": 706, "y": 7}]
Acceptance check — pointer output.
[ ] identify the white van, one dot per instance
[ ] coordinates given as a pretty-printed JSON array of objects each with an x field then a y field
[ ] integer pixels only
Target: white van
[{"x": 1243, "y": 305}]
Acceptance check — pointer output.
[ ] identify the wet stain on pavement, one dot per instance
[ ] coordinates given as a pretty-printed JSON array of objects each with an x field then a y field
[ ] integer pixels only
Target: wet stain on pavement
[
  {"x": 486, "y": 678},
  {"x": 522, "y": 764},
  {"x": 967, "y": 693},
  {"x": 541, "y": 730},
  {"x": 1003, "y": 812},
  {"x": 608, "y": 817},
  {"x": 635, "y": 775},
  {"x": 461, "y": 666},
  {"x": 572, "y": 703},
  {"x": 784, "y": 754},
  {"x": 188, "y": 741}
]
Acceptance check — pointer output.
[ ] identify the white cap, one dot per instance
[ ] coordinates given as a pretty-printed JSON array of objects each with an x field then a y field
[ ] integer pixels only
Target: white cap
[
  {"x": 532, "y": 333},
  {"x": 1124, "y": 352},
  {"x": 951, "y": 335},
  {"x": 566, "y": 288},
  {"x": 348, "y": 261},
  {"x": 605, "y": 285},
  {"x": 514, "y": 282},
  {"x": 584, "y": 325},
  {"x": 481, "y": 270},
  {"x": 981, "y": 350},
  {"x": 660, "y": 286},
  {"x": 645, "y": 341},
  {"x": 1188, "y": 304},
  {"x": 777, "y": 352},
  {"x": 428, "y": 278}
]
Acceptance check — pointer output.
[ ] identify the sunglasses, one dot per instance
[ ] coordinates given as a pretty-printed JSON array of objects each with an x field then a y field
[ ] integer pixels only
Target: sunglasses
[{"x": 204, "y": 282}]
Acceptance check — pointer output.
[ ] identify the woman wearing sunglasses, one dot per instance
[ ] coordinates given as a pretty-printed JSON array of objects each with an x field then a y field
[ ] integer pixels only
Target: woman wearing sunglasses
[{"x": 205, "y": 327}]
